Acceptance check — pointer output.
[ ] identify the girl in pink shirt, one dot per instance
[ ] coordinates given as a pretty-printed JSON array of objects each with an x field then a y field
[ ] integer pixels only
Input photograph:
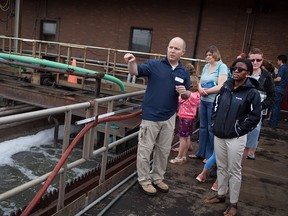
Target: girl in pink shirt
[{"x": 187, "y": 110}]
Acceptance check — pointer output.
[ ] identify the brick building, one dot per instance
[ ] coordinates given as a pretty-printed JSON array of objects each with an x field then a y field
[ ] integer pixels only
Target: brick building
[{"x": 233, "y": 26}]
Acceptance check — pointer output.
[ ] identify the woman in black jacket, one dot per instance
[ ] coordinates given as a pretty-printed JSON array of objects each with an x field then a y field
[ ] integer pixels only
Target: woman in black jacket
[{"x": 236, "y": 111}]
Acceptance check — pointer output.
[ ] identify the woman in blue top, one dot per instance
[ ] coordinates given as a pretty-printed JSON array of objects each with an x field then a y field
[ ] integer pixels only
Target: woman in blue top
[{"x": 214, "y": 74}]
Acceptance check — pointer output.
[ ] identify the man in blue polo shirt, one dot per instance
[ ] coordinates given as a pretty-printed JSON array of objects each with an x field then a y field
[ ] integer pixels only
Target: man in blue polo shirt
[
  {"x": 167, "y": 78},
  {"x": 280, "y": 89}
]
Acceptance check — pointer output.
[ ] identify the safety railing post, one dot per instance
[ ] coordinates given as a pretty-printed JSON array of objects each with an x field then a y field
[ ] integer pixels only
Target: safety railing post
[
  {"x": 88, "y": 137},
  {"x": 106, "y": 143},
  {"x": 34, "y": 49},
  {"x": 108, "y": 60},
  {"x": 10, "y": 46},
  {"x": 40, "y": 50},
  {"x": 114, "y": 62},
  {"x": 66, "y": 136},
  {"x": 93, "y": 136},
  {"x": 3, "y": 44},
  {"x": 21, "y": 48}
]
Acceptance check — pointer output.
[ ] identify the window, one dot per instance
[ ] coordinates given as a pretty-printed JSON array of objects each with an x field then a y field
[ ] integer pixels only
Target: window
[
  {"x": 140, "y": 40},
  {"x": 48, "y": 30}
]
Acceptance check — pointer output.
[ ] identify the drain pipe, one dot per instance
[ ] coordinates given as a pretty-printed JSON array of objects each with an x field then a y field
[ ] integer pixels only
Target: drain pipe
[
  {"x": 52, "y": 119},
  {"x": 202, "y": 3},
  {"x": 251, "y": 30}
]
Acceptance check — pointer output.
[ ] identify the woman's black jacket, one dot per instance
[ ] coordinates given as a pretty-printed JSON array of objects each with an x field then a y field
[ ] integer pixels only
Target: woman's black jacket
[{"x": 236, "y": 111}]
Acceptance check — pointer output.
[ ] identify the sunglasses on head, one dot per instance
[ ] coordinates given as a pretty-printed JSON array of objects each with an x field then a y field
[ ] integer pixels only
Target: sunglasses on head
[
  {"x": 258, "y": 60},
  {"x": 238, "y": 69}
]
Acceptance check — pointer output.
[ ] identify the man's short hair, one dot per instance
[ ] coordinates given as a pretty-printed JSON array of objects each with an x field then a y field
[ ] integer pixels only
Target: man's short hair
[
  {"x": 282, "y": 58},
  {"x": 256, "y": 51}
]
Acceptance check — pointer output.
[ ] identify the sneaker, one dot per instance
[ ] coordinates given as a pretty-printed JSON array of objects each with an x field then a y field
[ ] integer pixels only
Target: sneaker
[
  {"x": 161, "y": 186},
  {"x": 200, "y": 178},
  {"x": 177, "y": 161},
  {"x": 214, "y": 187},
  {"x": 148, "y": 189}
]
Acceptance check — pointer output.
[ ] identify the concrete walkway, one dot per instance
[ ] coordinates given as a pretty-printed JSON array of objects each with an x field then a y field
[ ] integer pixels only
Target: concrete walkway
[{"x": 264, "y": 190}]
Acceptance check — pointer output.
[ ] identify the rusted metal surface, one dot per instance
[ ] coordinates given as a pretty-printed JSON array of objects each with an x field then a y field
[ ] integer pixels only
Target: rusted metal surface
[{"x": 41, "y": 96}]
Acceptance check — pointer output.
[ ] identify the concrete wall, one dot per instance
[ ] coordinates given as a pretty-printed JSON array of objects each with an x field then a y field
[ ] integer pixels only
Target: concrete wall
[{"x": 108, "y": 24}]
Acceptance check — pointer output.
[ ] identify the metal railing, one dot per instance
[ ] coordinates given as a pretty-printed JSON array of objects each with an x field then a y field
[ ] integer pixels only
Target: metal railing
[
  {"x": 107, "y": 60},
  {"x": 89, "y": 137}
]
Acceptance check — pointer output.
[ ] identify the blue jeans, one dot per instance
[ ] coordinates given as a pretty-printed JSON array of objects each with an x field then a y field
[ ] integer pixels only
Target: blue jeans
[
  {"x": 206, "y": 136},
  {"x": 210, "y": 162},
  {"x": 276, "y": 107},
  {"x": 253, "y": 136}
]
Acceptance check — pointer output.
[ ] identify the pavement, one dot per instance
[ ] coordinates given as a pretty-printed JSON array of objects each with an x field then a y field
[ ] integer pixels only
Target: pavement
[{"x": 264, "y": 190}]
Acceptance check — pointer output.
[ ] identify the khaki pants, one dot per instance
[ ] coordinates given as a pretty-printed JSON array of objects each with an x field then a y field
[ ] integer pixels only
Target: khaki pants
[
  {"x": 228, "y": 154},
  {"x": 154, "y": 137}
]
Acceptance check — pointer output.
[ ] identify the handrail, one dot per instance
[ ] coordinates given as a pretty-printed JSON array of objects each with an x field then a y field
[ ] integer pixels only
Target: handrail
[
  {"x": 109, "y": 59},
  {"x": 60, "y": 66},
  {"x": 68, "y": 109},
  {"x": 67, "y": 152},
  {"x": 94, "y": 47}
]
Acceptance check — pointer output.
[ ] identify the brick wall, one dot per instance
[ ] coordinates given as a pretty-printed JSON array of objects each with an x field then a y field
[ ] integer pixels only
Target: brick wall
[{"x": 108, "y": 23}]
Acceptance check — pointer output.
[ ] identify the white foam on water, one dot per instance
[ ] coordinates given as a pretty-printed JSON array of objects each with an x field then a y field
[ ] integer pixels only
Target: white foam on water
[
  {"x": 26, "y": 172},
  {"x": 52, "y": 157},
  {"x": 7, "y": 207},
  {"x": 10, "y": 147},
  {"x": 79, "y": 171}
]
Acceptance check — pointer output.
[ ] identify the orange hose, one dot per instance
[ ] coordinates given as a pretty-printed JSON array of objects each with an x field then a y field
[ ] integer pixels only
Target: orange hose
[{"x": 67, "y": 152}]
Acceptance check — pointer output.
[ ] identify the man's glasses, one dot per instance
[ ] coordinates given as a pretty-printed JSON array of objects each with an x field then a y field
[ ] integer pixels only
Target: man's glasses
[
  {"x": 258, "y": 60},
  {"x": 239, "y": 69}
]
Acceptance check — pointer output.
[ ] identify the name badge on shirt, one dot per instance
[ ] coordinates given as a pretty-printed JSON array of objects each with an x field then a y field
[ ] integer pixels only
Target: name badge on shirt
[{"x": 178, "y": 79}]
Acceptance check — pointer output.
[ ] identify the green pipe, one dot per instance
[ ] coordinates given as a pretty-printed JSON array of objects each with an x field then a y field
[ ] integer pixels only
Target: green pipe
[{"x": 60, "y": 66}]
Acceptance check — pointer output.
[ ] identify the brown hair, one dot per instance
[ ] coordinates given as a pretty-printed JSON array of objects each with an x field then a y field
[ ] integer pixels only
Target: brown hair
[
  {"x": 256, "y": 51},
  {"x": 194, "y": 82},
  {"x": 215, "y": 52},
  {"x": 268, "y": 66},
  {"x": 242, "y": 55},
  {"x": 190, "y": 68}
]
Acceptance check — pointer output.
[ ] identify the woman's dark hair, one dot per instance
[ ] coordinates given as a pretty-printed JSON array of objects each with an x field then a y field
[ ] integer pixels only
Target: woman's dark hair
[
  {"x": 268, "y": 66},
  {"x": 246, "y": 61}
]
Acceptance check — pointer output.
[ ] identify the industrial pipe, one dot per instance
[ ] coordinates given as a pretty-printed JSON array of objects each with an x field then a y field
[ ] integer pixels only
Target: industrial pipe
[{"x": 58, "y": 65}]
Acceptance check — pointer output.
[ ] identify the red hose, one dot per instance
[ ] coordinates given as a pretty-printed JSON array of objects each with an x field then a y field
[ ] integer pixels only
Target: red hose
[{"x": 67, "y": 152}]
